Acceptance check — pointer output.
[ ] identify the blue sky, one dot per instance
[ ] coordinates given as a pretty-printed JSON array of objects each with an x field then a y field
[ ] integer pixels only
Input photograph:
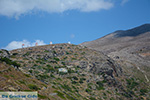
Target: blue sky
[{"x": 77, "y": 21}]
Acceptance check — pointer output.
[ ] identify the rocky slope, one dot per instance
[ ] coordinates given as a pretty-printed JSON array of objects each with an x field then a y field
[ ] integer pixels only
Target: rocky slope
[
  {"x": 66, "y": 71},
  {"x": 130, "y": 48}
]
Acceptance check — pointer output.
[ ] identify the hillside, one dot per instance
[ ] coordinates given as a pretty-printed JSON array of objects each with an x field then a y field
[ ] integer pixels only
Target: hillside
[
  {"x": 66, "y": 71},
  {"x": 130, "y": 48}
]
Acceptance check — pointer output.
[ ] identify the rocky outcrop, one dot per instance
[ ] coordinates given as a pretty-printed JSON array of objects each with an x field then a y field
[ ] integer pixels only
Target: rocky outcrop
[{"x": 4, "y": 53}]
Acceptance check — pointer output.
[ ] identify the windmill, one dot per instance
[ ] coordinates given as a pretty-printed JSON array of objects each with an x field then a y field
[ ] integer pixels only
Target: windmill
[
  {"x": 23, "y": 45},
  {"x": 69, "y": 42},
  {"x": 36, "y": 44},
  {"x": 51, "y": 42}
]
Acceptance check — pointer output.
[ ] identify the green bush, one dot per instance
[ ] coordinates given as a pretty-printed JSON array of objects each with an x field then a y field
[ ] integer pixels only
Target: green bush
[
  {"x": 81, "y": 82},
  {"x": 33, "y": 87},
  {"x": 38, "y": 55},
  {"x": 89, "y": 85},
  {"x": 36, "y": 72},
  {"x": 39, "y": 67},
  {"x": 46, "y": 51},
  {"x": 57, "y": 59},
  {"x": 112, "y": 98},
  {"x": 27, "y": 75},
  {"x": 30, "y": 71},
  {"x": 74, "y": 82},
  {"x": 54, "y": 52},
  {"x": 70, "y": 98},
  {"x": 63, "y": 63},
  {"x": 73, "y": 58},
  {"x": 10, "y": 62},
  {"x": 12, "y": 75},
  {"x": 22, "y": 82},
  {"x": 52, "y": 76},
  {"x": 82, "y": 53},
  {"x": 88, "y": 90},
  {"x": 100, "y": 85},
  {"x": 126, "y": 95},
  {"x": 6, "y": 76},
  {"x": 143, "y": 91},
  {"x": 92, "y": 98},
  {"x": 83, "y": 79},
  {"x": 43, "y": 77},
  {"x": 29, "y": 62},
  {"x": 40, "y": 61},
  {"x": 61, "y": 95},
  {"x": 34, "y": 65},
  {"x": 49, "y": 66},
  {"x": 66, "y": 87},
  {"x": 65, "y": 57},
  {"x": 131, "y": 83},
  {"x": 15, "y": 64},
  {"x": 67, "y": 53},
  {"x": 75, "y": 54},
  {"x": 15, "y": 54},
  {"x": 75, "y": 78},
  {"x": 71, "y": 71},
  {"x": 62, "y": 73},
  {"x": 27, "y": 54},
  {"x": 51, "y": 69},
  {"x": 41, "y": 96},
  {"x": 4, "y": 59}
]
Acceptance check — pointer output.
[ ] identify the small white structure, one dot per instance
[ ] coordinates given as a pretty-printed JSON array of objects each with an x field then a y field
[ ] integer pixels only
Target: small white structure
[
  {"x": 69, "y": 42},
  {"x": 36, "y": 44},
  {"x": 63, "y": 70},
  {"x": 23, "y": 45},
  {"x": 69, "y": 66},
  {"x": 51, "y": 42}
]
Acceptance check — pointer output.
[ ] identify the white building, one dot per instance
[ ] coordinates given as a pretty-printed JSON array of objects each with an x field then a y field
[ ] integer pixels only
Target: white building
[
  {"x": 51, "y": 42},
  {"x": 36, "y": 44},
  {"x": 69, "y": 66},
  {"x": 69, "y": 42},
  {"x": 63, "y": 70}
]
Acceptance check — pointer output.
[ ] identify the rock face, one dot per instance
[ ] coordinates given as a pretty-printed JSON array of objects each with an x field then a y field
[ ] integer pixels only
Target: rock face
[
  {"x": 4, "y": 53},
  {"x": 86, "y": 59},
  {"x": 130, "y": 48}
]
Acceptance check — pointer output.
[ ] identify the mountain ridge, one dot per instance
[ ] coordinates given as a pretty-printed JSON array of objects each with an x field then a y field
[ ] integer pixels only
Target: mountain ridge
[
  {"x": 121, "y": 33},
  {"x": 129, "y": 48},
  {"x": 134, "y": 31}
]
